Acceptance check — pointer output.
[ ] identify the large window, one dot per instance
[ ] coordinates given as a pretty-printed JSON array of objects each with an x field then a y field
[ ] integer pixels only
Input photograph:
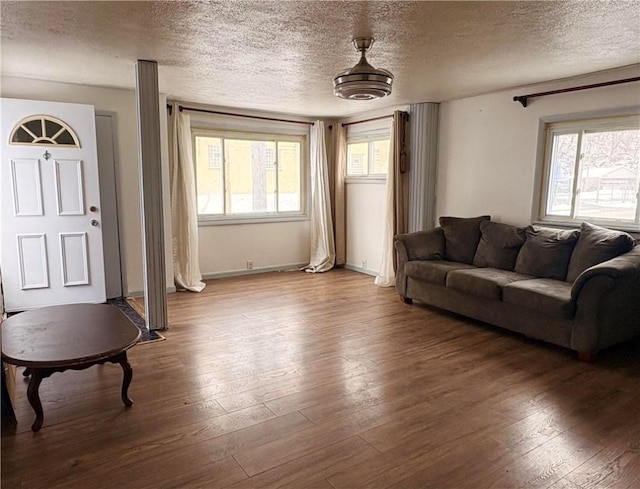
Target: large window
[
  {"x": 592, "y": 172},
  {"x": 368, "y": 156},
  {"x": 247, "y": 175}
]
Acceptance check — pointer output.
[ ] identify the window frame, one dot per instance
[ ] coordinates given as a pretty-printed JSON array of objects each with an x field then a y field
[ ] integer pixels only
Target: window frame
[
  {"x": 262, "y": 217},
  {"x": 370, "y": 138},
  {"x": 579, "y": 124}
]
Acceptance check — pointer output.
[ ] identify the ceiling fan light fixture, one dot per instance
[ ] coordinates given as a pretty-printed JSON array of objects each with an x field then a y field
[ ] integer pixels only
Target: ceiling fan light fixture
[{"x": 363, "y": 81}]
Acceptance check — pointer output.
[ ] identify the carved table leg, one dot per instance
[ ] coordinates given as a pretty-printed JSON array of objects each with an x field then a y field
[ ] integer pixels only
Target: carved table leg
[
  {"x": 126, "y": 381},
  {"x": 34, "y": 397}
]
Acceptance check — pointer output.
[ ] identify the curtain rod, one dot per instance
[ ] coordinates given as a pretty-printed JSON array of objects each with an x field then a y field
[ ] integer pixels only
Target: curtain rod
[
  {"x": 233, "y": 114},
  {"x": 368, "y": 120},
  {"x": 523, "y": 98}
]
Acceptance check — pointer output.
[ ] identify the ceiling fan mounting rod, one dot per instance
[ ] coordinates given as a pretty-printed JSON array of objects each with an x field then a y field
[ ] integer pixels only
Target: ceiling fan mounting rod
[{"x": 363, "y": 44}]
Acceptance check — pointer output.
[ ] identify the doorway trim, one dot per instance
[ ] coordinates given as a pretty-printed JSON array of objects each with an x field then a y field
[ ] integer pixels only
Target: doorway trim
[{"x": 113, "y": 116}]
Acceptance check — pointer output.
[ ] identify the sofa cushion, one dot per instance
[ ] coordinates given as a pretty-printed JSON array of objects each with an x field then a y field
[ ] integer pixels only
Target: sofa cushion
[
  {"x": 499, "y": 245},
  {"x": 461, "y": 237},
  {"x": 596, "y": 245},
  {"x": 483, "y": 282},
  {"x": 546, "y": 252},
  {"x": 552, "y": 297},
  {"x": 434, "y": 271}
]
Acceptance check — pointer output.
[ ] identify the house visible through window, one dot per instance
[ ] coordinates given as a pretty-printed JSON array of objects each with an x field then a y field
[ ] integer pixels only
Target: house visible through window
[
  {"x": 592, "y": 171},
  {"x": 236, "y": 177},
  {"x": 270, "y": 158},
  {"x": 215, "y": 155},
  {"x": 368, "y": 157}
]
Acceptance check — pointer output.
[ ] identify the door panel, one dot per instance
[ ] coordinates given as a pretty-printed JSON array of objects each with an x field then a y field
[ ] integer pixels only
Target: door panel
[
  {"x": 51, "y": 253},
  {"x": 69, "y": 187},
  {"x": 26, "y": 187},
  {"x": 73, "y": 257},
  {"x": 33, "y": 261}
]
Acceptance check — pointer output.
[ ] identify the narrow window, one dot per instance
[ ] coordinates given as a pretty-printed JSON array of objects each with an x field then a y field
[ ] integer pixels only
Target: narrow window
[{"x": 368, "y": 157}]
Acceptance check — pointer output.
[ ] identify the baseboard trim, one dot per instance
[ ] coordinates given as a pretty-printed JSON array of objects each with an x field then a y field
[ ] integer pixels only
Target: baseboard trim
[
  {"x": 366, "y": 271},
  {"x": 254, "y": 271}
]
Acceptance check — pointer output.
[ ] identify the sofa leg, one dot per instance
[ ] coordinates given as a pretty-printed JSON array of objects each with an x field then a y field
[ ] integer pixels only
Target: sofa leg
[
  {"x": 587, "y": 356},
  {"x": 406, "y": 300}
]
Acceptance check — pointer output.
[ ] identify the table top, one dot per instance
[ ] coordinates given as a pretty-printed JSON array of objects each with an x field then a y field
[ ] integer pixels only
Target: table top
[{"x": 62, "y": 336}]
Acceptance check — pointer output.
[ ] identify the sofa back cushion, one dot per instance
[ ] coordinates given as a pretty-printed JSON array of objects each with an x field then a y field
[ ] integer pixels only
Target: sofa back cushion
[
  {"x": 546, "y": 252},
  {"x": 499, "y": 245},
  {"x": 596, "y": 245},
  {"x": 461, "y": 236}
]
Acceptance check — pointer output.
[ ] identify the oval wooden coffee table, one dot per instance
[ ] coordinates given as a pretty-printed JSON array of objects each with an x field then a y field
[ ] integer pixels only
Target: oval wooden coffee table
[{"x": 58, "y": 338}]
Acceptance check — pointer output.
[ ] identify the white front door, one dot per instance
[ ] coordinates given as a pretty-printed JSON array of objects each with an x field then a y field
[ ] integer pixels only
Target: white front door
[{"x": 51, "y": 218}]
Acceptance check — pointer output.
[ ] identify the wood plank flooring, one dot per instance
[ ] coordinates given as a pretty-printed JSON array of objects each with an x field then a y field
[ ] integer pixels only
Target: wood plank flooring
[{"x": 294, "y": 380}]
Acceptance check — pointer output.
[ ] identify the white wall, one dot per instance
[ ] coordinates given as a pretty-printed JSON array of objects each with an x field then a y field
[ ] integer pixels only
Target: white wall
[
  {"x": 365, "y": 208},
  {"x": 225, "y": 250},
  {"x": 123, "y": 104},
  {"x": 488, "y": 144}
]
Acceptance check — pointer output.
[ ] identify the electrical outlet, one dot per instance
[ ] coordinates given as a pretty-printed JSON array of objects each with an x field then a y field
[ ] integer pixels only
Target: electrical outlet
[
  {"x": 364, "y": 263},
  {"x": 249, "y": 265}
]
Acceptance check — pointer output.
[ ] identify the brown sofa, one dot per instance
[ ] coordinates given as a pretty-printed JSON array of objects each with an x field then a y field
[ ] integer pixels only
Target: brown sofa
[{"x": 579, "y": 288}]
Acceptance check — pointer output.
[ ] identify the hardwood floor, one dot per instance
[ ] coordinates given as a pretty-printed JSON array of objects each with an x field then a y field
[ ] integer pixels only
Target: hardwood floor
[{"x": 327, "y": 381}]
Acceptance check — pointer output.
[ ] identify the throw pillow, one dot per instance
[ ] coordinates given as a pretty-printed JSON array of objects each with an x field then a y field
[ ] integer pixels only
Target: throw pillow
[
  {"x": 595, "y": 245},
  {"x": 546, "y": 252},
  {"x": 499, "y": 245},
  {"x": 461, "y": 237}
]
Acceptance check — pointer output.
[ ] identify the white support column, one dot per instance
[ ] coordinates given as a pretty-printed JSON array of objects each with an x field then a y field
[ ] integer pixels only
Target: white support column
[
  {"x": 147, "y": 100},
  {"x": 423, "y": 152}
]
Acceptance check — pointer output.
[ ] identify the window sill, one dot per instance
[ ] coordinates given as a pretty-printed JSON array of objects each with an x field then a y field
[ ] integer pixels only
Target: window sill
[
  {"x": 559, "y": 223},
  {"x": 229, "y": 221},
  {"x": 375, "y": 180}
]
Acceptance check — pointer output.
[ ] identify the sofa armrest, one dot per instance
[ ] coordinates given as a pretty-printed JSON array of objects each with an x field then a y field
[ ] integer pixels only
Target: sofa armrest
[
  {"x": 607, "y": 304},
  {"x": 625, "y": 266},
  {"x": 420, "y": 245}
]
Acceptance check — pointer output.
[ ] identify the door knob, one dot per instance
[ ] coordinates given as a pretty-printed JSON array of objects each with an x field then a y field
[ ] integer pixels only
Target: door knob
[{"x": 94, "y": 222}]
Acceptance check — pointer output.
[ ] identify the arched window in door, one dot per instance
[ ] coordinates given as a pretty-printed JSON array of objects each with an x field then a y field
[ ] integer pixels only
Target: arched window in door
[{"x": 43, "y": 130}]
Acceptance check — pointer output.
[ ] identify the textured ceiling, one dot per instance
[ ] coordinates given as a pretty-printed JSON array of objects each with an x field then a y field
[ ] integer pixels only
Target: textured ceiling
[{"x": 282, "y": 55}]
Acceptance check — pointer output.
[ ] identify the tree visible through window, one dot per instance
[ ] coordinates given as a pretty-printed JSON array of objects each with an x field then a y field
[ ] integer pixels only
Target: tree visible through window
[
  {"x": 593, "y": 171},
  {"x": 245, "y": 183}
]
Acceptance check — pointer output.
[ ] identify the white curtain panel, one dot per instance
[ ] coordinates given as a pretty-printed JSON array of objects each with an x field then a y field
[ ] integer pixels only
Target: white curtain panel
[
  {"x": 184, "y": 212},
  {"x": 386, "y": 275},
  {"x": 323, "y": 253}
]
